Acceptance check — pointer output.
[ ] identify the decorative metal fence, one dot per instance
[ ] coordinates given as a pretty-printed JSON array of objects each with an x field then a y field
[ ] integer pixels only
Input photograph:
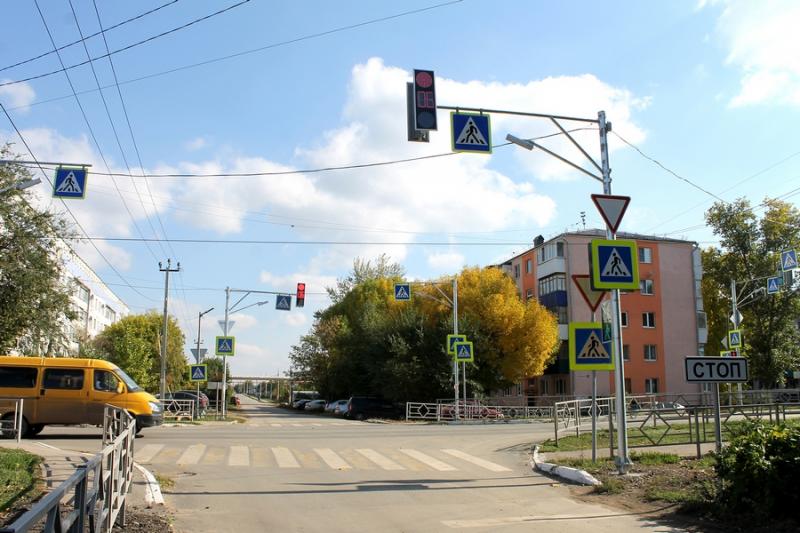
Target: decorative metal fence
[
  {"x": 474, "y": 411},
  {"x": 180, "y": 409},
  {"x": 11, "y": 425},
  {"x": 94, "y": 497}
]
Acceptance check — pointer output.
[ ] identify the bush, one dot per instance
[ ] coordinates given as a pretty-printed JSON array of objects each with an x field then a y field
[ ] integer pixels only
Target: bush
[{"x": 759, "y": 470}]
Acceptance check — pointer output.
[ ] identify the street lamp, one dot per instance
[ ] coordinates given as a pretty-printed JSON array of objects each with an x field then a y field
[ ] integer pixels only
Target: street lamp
[
  {"x": 21, "y": 185},
  {"x": 199, "y": 355}
]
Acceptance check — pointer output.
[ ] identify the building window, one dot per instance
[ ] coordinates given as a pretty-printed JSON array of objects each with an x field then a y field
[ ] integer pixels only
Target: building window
[
  {"x": 556, "y": 282},
  {"x": 628, "y": 387},
  {"x": 516, "y": 271},
  {"x": 701, "y": 320},
  {"x": 561, "y": 314},
  {"x": 549, "y": 251},
  {"x": 624, "y": 319},
  {"x": 646, "y": 286},
  {"x": 651, "y": 386},
  {"x": 543, "y": 386},
  {"x": 529, "y": 266},
  {"x": 701, "y": 350},
  {"x": 649, "y": 352},
  {"x": 528, "y": 294},
  {"x": 626, "y": 352},
  {"x": 645, "y": 255},
  {"x": 561, "y": 387},
  {"x": 648, "y": 320}
]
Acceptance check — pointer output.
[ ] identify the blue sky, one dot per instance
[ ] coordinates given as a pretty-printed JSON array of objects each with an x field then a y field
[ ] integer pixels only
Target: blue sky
[{"x": 710, "y": 89}]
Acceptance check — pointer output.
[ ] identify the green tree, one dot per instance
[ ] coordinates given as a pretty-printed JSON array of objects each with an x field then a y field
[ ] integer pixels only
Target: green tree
[
  {"x": 134, "y": 344},
  {"x": 749, "y": 252},
  {"x": 34, "y": 301}
]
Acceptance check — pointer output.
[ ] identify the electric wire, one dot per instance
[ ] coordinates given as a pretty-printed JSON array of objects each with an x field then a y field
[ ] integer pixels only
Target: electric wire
[
  {"x": 69, "y": 211},
  {"x": 266, "y": 47},
  {"x": 83, "y": 39},
  {"x": 65, "y": 68}
]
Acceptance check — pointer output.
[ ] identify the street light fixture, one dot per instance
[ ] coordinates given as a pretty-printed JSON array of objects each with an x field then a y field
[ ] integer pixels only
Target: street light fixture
[
  {"x": 19, "y": 186},
  {"x": 199, "y": 355},
  {"x": 524, "y": 143}
]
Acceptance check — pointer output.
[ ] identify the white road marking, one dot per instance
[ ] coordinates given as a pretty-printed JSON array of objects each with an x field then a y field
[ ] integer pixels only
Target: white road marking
[
  {"x": 428, "y": 460},
  {"x": 332, "y": 459},
  {"x": 488, "y": 465},
  {"x": 276, "y": 425},
  {"x": 192, "y": 454},
  {"x": 239, "y": 456},
  {"x": 148, "y": 451},
  {"x": 380, "y": 460},
  {"x": 495, "y": 522},
  {"x": 284, "y": 458},
  {"x": 297, "y": 425}
]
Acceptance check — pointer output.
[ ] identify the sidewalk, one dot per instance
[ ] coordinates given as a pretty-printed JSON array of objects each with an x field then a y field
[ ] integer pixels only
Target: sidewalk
[{"x": 682, "y": 450}]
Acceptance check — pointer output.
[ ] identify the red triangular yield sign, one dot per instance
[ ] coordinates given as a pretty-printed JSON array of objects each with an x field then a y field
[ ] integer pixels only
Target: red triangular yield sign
[
  {"x": 592, "y": 297},
  {"x": 612, "y": 208}
]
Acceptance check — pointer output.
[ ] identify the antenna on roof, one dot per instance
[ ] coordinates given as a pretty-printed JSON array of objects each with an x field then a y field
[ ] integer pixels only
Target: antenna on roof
[{"x": 583, "y": 219}]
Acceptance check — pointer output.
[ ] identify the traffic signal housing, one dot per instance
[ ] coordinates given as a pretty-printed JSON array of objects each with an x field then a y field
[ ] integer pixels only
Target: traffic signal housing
[
  {"x": 424, "y": 100},
  {"x": 301, "y": 294}
]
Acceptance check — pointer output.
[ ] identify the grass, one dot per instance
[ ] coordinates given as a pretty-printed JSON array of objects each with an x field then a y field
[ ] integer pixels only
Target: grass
[
  {"x": 165, "y": 482},
  {"x": 19, "y": 476}
]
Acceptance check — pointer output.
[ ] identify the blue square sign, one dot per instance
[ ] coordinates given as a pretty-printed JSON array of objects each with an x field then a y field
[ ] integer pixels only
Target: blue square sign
[
  {"x": 614, "y": 265},
  {"x": 402, "y": 291},
  {"x": 471, "y": 133},
  {"x": 70, "y": 182}
]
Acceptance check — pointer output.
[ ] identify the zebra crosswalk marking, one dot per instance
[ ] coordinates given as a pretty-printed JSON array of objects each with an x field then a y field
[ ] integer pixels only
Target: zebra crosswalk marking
[
  {"x": 284, "y": 458},
  {"x": 239, "y": 456},
  {"x": 357, "y": 460},
  {"x": 148, "y": 451},
  {"x": 428, "y": 460},
  {"x": 332, "y": 459},
  {"x": 276, "y": 425},
  {"x": 380, "y": 460},
  {"x": 488, "y": 465},
  {"x": 215, "y": 455},
  {"x": 192, "y": 454}
]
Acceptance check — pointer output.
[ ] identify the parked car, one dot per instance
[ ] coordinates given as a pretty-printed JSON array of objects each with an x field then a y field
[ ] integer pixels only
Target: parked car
[
  {"x": 363, "y": 407},
  {"x": 339, "y": 407},
  {"x": 191, "y": 395},
  {"x": 300, "y": 404},
  {"x": 315, "y": 405},
  {"x": 671, "y": 406}
]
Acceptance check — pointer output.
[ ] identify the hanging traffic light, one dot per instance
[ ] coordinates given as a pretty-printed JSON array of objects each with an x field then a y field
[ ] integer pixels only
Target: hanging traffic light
[
  {"x": 424, "y": 100},
  {"x": 301, "y": 294}
]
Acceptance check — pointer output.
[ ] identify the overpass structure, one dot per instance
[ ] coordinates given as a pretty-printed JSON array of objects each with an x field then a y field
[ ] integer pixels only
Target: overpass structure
[{"x": 256, "y": 379}]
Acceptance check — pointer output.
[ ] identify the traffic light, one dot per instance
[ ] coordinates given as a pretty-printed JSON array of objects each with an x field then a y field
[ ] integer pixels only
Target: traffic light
[
  {"x": 301, "y": 294},
  {"x": 424, "y": 100}
]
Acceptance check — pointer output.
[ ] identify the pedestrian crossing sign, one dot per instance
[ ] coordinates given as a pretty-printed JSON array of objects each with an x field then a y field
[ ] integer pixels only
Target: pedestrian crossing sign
[
  {"x": 464, "y": 352},
  {"x": 225, "y": 346},
  {"x": 788, "y": 260},
  {"x": 587, "y": 351},
  {"x": 70, "y": 182},
  {"x": 774, "y": 285},
  {"x": 451, "y": 340},
  {"x": 471, "y": 133},
  {"x": 198, "y": 373},
  {"x": 735, "y": 338},
  {"x": 615, "y": 264},
  {"x": 402, "y": 291}
]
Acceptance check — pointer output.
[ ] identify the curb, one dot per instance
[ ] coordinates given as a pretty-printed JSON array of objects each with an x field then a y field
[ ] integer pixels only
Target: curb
[
  {"x": 152, "y": 492},
  {"x": 570, "y": 474}
]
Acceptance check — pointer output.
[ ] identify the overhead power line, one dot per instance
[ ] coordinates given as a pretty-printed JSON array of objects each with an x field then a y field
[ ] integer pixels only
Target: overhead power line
[
  {"x": 261, "y": 48},
  {"x": 124, "y": 48},
  {"x": 310, "y": 243},
  {"x": 83, "y": 39}
]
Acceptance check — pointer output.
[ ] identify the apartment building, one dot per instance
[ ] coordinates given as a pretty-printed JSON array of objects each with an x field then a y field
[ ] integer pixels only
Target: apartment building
[{"x": 662, "y": 323}]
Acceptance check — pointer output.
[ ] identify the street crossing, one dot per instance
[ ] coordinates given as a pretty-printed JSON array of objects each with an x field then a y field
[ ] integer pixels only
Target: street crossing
[{"x": 389, "y": 459}]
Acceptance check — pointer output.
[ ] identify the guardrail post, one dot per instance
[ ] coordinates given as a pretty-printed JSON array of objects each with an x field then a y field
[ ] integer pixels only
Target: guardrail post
[
  {"x": 696, "y": 432},
  {"x": 610, "y": 429},
  {"x": 555, "y": 422}
]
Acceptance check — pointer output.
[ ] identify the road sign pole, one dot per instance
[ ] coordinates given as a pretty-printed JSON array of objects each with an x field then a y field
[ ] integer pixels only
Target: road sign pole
[
  {"x": 717, "y": 421},
  {"x": 735, "y": 307},
  {"x": 455, "y": 332},
  {"x": 623, "y": 459},
  {"x": 594, "y": 409},
  {"x": 225, "y": 357}
]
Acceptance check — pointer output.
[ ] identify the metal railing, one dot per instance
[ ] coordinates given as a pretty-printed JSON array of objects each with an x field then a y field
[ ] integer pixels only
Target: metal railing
[
  {"x": 474, "y": 411},
  {"x": 179, "y": 409},
  {"x": 93, "y": 497},
  {"x": 11, "y": 417},
  {"x": 655, "y": 420}
]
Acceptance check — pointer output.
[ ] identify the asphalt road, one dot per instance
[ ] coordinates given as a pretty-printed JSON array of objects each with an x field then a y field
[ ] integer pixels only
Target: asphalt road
[{"x": 287, "y": 471}]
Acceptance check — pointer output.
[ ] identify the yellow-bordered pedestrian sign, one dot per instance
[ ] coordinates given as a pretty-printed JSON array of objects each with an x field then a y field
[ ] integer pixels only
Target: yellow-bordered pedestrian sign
[
  {"x": 198, "y": 373},
  {"x": 225, "y": 346},
  {"x": 464, "y": 352},
  {"x": 735, "y": 338},
  {"x": 452, "y": 339},
  {"x": 615, "y": 264},
  {"x": 471, "y": 132},
  {"x": 587, "y": 351}
]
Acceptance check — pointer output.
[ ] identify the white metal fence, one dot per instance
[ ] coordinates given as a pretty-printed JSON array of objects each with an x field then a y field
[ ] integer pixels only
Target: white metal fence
[
  {"x": 11, "y": 425},
  {"x": 94, "y": 497},
  {"x": 474, "y": 411},
  {"x": 180, "y": 409}
]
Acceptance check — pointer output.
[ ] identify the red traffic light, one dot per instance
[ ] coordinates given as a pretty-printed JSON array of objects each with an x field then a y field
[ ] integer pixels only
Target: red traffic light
[
  {"x": 301, "y": 294},
  {"x": 424, "y": 100}
]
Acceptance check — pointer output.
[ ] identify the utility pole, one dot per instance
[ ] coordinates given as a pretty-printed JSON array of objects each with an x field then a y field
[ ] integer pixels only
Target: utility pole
[
  {"x": 166, "y": 272},
  {"x": 199, "y": 354},
  {"x": 225, "y": 357},
  {"x": 455, "y": 332}
]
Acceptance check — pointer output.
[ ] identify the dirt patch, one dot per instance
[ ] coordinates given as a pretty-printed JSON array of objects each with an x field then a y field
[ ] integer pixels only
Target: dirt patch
[{"x": 144, "y": 520}]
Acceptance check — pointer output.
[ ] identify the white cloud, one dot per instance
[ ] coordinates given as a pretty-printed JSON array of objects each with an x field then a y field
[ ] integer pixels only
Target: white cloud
[
  {"x": 763, "y": 42},
  {"x": 196, "y": 144},
  {"x": 18, "y": 96},
  {"x": 446, "y": 262},
  {"x": 288, "y": 282},
  {"x": 295, "y": 319}
]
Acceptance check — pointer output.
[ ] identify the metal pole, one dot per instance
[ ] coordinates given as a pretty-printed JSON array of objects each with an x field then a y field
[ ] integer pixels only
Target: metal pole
[
  {"x": 225, "y": 357},
  {"x": 735, "y": 308},
  {"x": 623, "y": 460},
  {"x": 455, "y": 332},
  {"x": 594, "y": 416},
  {"x": 163, "y": 380},
  {"x": 199, "y": 317},
  {"x": 717, "y": 417}
]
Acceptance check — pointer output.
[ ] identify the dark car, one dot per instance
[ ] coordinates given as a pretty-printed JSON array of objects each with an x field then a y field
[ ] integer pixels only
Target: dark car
[
  {"x": 191, "y": 395},
  {"x": 363, "y": 407},
  {"x": 176, "y": 402}
]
